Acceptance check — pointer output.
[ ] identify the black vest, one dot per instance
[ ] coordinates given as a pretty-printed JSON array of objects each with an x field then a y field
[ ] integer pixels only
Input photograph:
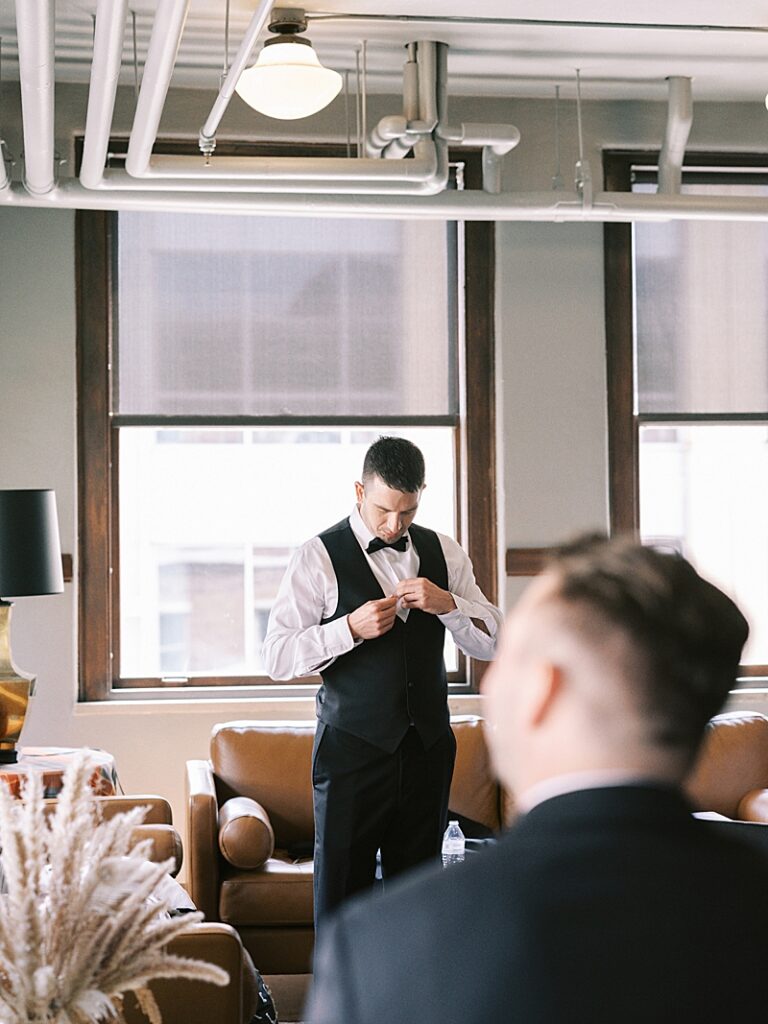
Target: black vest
[{"x": 382, "y": 686}]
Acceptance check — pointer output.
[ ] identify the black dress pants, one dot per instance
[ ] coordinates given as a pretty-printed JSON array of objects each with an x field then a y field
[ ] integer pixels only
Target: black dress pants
[{"x": 366, "y": 800}]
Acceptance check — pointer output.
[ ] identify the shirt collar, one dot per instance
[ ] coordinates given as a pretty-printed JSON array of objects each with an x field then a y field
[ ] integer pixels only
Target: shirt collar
[
  {"x": 361, "y": 531},
  {"x": 558, "y": 785}
]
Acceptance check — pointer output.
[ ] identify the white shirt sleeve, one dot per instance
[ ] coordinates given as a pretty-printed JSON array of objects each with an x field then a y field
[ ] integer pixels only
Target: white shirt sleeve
[
  {"x": 296, "y": 644},
  {"x": 471, "y": 604}
]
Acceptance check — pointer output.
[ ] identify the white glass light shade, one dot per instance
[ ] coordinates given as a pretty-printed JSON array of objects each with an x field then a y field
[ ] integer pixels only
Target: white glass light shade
[{"x": 288, "y": 81}]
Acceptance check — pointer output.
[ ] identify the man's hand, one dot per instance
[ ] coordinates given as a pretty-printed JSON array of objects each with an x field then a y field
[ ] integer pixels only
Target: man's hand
[
  {"x": 427, "y": 596},
  {"x": 372, "y": 619}
]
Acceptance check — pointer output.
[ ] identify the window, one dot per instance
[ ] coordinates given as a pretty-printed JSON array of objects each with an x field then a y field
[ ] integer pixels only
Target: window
[
  {"x": 688, "y": 384},
  {"x": 232, "y": 372}
]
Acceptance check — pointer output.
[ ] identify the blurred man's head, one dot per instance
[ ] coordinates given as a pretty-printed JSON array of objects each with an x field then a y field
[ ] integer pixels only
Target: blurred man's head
[{"x": 614, "y": 658}]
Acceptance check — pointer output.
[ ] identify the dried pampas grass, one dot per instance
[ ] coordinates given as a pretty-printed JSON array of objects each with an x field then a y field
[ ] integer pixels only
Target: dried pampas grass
[{"x": 78, "y": 922}]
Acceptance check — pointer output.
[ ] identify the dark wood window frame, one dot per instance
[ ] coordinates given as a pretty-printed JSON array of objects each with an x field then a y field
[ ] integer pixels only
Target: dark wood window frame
[
  {"x": 98, "y": 443},
  {"x": 623, "y": 421}
]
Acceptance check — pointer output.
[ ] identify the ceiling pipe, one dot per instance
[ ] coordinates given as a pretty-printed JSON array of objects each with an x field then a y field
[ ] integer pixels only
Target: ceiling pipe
[
  {"x": 207, "y": 138},
  {"x": 5, "y": 181},
  {"x": 35, "y": 33},
  {"x": 448, "y": 205},
  {"x": 496, "y": 140},
  {"x": 679, "y": 121},
  {"x": 158, "y": 68},
  {"x": 389, "y": 128},
  {"x": 105, "y": 74},
  {"x": 289, "y": 169},
  {"x": 120, "y": 181}
]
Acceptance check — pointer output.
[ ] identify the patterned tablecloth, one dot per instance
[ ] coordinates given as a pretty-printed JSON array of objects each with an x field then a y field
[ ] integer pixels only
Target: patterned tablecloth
[{"x": 52, "y": 762}]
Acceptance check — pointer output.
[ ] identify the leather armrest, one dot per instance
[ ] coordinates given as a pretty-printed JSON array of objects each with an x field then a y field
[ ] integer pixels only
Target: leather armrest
[
  {"x": 166, "y": 843},
  {"x": 158, "y": 808},
  {"x": 203, "y": 839},
  {"x": 196, "y": 1002}
]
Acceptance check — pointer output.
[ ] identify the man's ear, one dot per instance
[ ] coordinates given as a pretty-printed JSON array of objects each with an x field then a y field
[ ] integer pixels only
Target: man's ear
[
  {"x": 359, "y": 490},
  {"x": 547, "y": 688}
]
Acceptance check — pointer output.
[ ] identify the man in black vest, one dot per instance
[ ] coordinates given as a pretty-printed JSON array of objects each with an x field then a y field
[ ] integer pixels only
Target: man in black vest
[{"x": 366, "y": 604}]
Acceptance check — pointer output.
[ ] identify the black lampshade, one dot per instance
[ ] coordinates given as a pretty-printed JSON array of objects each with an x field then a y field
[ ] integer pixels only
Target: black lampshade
[{"x": 30, "y": 553}]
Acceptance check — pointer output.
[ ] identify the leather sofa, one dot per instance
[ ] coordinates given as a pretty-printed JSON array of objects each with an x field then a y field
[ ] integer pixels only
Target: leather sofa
[
  {"x": 730, "y": 777},
  {"x": 250, "y": 831}
]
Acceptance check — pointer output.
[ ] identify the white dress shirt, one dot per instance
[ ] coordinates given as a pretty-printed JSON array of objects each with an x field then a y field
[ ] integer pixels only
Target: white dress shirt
[{"x": 297, "y": 644}]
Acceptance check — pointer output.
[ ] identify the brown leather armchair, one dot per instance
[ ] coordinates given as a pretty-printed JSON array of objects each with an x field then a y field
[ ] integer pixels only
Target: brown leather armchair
[
  {"x": 182, "y": 1000},
  {"x": 251, "y": 831},
  {"x": 730, "y": 776}
]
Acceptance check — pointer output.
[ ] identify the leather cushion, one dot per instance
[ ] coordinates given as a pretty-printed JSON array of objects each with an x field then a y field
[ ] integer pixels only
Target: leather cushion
[
  {"x": 246, "y": 838},
  {"x": 279, "y": 893},
  {"x": 733, "y": 761},
  {"x": 270, "y": 763}
]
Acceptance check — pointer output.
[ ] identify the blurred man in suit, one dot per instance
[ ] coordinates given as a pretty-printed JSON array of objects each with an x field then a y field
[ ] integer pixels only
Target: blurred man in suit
[{"x": 607, "y": 901}]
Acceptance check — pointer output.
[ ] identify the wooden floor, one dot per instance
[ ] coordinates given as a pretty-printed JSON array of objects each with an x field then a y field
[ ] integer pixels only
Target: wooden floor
[{"x": 289, "y": 992}]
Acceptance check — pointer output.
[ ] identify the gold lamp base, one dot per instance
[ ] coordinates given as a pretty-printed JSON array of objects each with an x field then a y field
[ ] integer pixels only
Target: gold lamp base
[{"x": 15, "y": 690}]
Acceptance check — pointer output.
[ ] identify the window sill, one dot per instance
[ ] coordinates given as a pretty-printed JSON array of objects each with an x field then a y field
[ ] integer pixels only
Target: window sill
[{"x": 269, "y": 707}]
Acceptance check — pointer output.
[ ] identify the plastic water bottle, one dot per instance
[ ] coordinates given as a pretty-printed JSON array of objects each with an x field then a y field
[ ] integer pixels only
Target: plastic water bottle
[{"x": 453, "y": 844}]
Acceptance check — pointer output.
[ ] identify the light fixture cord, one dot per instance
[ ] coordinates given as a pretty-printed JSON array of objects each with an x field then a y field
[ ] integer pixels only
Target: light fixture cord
[
  {"x": 135, "y": 56},
  {"x": 557, "y": 178},
  {"x": 346, "y": 113},
  {"x": 364, "y": 99},
  {"x": 225, "y": 69},
  {"x": 578, "y": 115},
  {"x": 358, "y": 101}
]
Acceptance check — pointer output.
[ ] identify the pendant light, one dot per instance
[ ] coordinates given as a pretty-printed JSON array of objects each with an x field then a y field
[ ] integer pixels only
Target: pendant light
[{"x": 288, "y": 81}]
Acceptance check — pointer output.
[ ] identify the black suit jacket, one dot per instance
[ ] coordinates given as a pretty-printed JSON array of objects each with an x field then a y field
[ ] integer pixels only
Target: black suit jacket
[{"x": 607, "y": 905}]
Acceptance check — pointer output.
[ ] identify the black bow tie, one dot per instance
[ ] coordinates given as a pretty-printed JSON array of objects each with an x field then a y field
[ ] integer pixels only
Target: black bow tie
[{"x": 377, "y": 544}]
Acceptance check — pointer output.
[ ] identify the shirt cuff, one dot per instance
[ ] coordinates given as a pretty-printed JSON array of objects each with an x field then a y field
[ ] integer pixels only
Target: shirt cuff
[
  {"x": 466, "y": 610},
  {"x": 338, "y": 637}
]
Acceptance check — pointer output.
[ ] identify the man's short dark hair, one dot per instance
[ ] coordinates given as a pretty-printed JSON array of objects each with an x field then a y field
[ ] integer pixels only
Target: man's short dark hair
[
  {"x": 397, "y": 462},
  {"x": 685, "y": 634}
]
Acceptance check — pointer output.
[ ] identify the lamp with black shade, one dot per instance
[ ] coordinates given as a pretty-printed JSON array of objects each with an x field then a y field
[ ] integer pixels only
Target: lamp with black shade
[{"x": 30, "y": 565}]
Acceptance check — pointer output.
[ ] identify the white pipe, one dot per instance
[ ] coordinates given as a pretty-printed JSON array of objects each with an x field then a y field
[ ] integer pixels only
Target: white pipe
[
  {"x": 496, "y": 140},
  {"x": 289, "y": 168},
  {"x": 259, "y": 19},
  {"x": 5, "y": 181},
  {"x": 34, "y": 30},
  {"x": 105, "y": 73},
  {"x": 411, "y": 84},
  {"x": 427, "y": 68},
  {"x": 158, "y": 69},
  {"x": 679, "y": 121},
  {"x": 448, "y": 205},
  {"x": 121, "y": 181},
  {"x": 398, "y": 149},
  {"x": 393, "y": 126}
]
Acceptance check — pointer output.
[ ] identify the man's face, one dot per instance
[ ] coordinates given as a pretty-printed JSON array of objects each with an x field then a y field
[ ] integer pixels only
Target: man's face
[{"x": 385, "y": 511}]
